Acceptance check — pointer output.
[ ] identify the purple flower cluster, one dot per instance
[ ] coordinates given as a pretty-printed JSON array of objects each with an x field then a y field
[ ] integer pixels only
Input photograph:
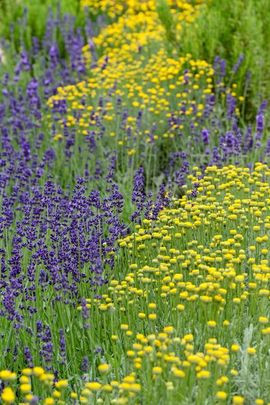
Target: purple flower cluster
[
  {"x": 223, "y": 140},
  {"x": 58, "y": 233},
  {"x": 138, "y": 194}
]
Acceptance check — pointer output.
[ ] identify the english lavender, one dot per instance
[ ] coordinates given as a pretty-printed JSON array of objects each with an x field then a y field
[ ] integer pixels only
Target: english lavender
[
  {"x": 56, "y": 235},
  {"x": 205, "y": 136},
  {"x": 28, "y": 357},
  {"x": 238, "y": 63},
  {"x": 138, "y": 194},
  {"x": 62, "y": 346}
]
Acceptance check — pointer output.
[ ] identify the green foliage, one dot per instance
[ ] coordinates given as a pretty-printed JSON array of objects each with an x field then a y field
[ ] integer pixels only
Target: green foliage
[
  {"x": 27, "y": 19},
  {"x": 166, "y": 19},
  {"x": 228, "y": 29}
]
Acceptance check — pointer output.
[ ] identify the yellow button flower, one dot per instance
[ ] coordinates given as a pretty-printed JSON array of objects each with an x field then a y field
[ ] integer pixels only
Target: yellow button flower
[
  {"x": 238, "y": 400},
  {"x": 103, "y": 368},
  {"x": 8, "y": 396},
  {"x": 222, "y": 395}
]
